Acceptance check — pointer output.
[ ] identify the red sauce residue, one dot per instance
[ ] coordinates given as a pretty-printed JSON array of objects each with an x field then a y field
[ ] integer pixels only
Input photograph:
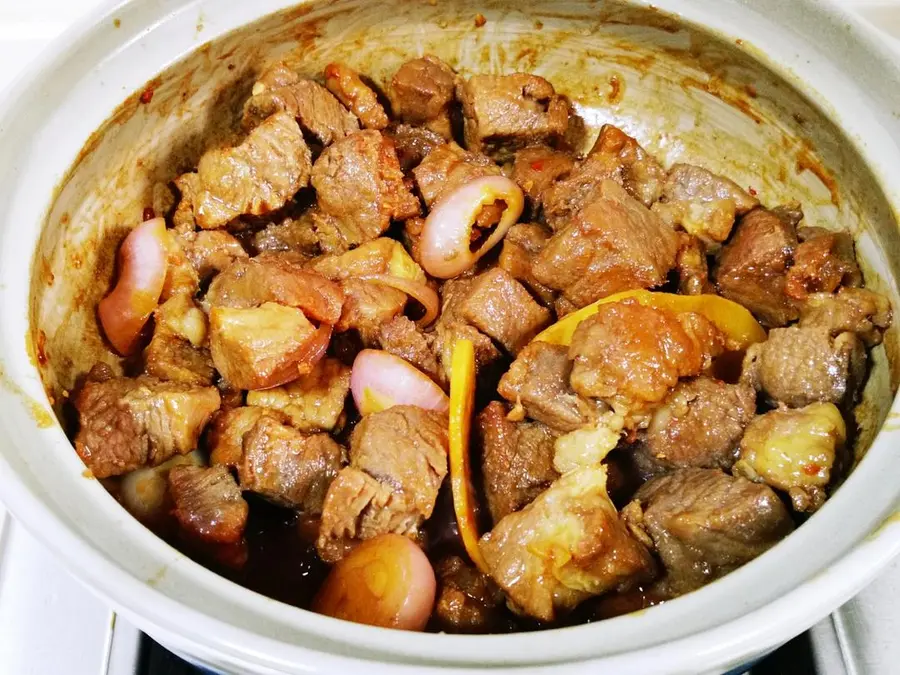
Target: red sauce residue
[
  {"x": 752, "y": 191},
  {"x": 64, "y": 218},
  {"x": 807, "y": 162},
  {"x": 480, "y": 20},
  {"x": 616, "y": 89},
  {"x": 724, "y": 93},
  {"x": 537, "y": 165},
  {"x": 811, "y": 469},
  {"x": 739, "y": 42},
  {"x": 149, "y": 214},
  {"x": 41, "y": 347},
  {"x": 147, "y": 95},
  {"x": 539, "y": 25},
  {"x": 751, "y": 91}
]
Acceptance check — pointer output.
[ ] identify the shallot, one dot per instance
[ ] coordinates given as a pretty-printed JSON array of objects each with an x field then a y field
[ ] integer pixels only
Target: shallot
[
  {"x": 386, "y": 581},
  {"x": 143, "y": 260},
  {"x": 380, "y": 380},
  {"x": 447, "y": 234}
]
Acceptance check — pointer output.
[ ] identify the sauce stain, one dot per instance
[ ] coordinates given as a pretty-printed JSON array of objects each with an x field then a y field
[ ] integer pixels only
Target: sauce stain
[
  {"x": 715, "y": 86},
  {"x": 616, "y": 89},
  {"x": 807, "y": 162}
]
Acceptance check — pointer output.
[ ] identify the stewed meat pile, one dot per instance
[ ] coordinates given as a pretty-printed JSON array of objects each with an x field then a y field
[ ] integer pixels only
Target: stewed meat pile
[{"x": 405, "y": 354}]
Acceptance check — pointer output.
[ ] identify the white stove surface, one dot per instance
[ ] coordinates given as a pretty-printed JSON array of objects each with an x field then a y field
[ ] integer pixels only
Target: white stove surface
[{"x": 51, "y": 624}]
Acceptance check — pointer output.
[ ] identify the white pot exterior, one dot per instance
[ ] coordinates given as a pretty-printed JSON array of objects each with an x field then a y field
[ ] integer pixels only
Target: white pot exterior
[{"x": 831, "y": 59}]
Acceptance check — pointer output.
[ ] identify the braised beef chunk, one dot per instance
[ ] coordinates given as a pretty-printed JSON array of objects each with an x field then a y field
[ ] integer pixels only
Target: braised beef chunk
[
  {"x": 854, "y": 310},
  {"x": 823, "y": 262},
  {"x": 449, "y": 166},
  {"x": 422, "y": 93},
  {"x": 702, "y": 203},
  {"x": 794, "y": 451},
  {"x": 503, "y": 309},
  {"x": 613, "y": 245},
  {"x": 297, "y": 235},
  {"x": 273, "y": 77},
  {"x": 313, "y": 402},
  {"x": 539, "y": 380},
  {"x": 287, "y": 467},
  {"x": 225, "y": 438},
  {"x": 401, "y": 337},
  {"x": 275, "y": 278},
  {"x": 704, "y": 524},
  {"x": 693, "y": 269},
  {"x": 629, "y": 355},
  {"x": 564, "y": 547},
  {"x": 172, "y": 358},
  {"x": 616, "y": 157},
  {"x": 398, "y": 460},
  {"x": 521, "y": 245},
  {"x": 752, "y": 267},
  {"x": 358, "y": 181},
  {"x": 212, "y": 251},
  {"x": 451, "y": 326},
  {"x": 643, "y": 177},
  {"x": 346, "y": 85},
  {"x": 316, "y": 110},
  {"x": 699, "y": 424},
  {"x": 188, "y": 185},
  {"x": 468, "y": 601},
  {"x": 797, "y": 366},
  {"x": 264, "y": 346},
  {"x": 503, "y": 113},
  {"x": 208, "y": 503},
  {"x": 413, "y": 144},
  {"x": 516, "y": 460},
  {"x": 359, "y": 507},
  {"x": 537, "y": 168},
  {"x": 126, "y": 423},
  {"x": 565, "y": 199},
  {"x": 254, "y": 178},
  {"x": 176, "y": 351}
]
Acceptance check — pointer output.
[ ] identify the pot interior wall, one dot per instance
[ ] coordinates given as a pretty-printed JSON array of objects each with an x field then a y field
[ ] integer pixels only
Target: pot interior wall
[{"x": 685, "y": 94}]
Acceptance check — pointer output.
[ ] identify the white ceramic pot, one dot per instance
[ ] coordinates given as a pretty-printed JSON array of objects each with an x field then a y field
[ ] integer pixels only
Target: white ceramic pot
[{"x": 795, "y": 99}]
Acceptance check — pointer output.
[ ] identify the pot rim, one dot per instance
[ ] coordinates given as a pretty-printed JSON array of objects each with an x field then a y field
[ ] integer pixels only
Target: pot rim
[{"x": 825, "y": 583}]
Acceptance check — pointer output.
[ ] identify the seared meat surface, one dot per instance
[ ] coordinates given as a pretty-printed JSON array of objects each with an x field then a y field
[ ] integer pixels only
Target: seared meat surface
[
  {"x": 517, "y": 460},
  {"x": 208, "y": 503},
  {"x": 126, "y": 423},
  {"x": 752, "y": 267},
  {"x": 704, "y": 523},
  {"x": 422, "y": 92}
]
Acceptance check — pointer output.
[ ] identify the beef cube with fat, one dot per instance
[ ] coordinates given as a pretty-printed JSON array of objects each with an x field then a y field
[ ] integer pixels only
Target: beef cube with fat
[
  {"x": 521, "y": 246},
  {"x": 536, "y": 168},
  {"x": 865, "y": 313},
  {"x": 315, "y": 109},
  {"x": 503, "y": 113},
  {"x": 264, "y": 346},
  {"x": 313, "y": 402},
  {"x": 823, "y": 262},
  {"x": 565, "y": 547},
  {"x": 630, "y": 356},
  {"x": 402, "y": 337},
  {"x": 642, "y": 175},
  {"x": 413, "y": 144},
  {"x": 126, "y": 423},
  {"x": 356, "y": 95}
]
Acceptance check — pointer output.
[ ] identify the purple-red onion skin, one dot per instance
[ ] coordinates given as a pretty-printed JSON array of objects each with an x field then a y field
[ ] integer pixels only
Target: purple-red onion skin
[
  {"x": 386, "y": 581},
  {"x": 143, "y": 262},
  {"x": 446, "y": 237},
  {"x": 380, "y": 380}
]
